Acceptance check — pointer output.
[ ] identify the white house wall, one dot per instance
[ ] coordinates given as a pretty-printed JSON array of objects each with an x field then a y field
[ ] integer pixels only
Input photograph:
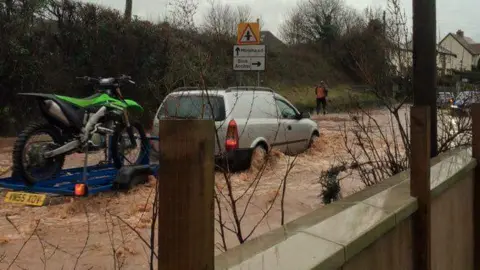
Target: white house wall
[
  {"x": 464, "y": 59},
  {"x": 406, "y": 59},
  {"x": 475, "y": 60},
  {"x": 449, "y": 61}
]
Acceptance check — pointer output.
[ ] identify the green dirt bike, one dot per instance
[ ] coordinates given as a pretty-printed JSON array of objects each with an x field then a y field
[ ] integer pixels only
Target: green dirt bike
[{"x": 79, "y": 125}]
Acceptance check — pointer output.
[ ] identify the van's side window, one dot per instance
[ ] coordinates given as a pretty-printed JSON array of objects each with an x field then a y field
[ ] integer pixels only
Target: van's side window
[{"x": 285, "y": 110}]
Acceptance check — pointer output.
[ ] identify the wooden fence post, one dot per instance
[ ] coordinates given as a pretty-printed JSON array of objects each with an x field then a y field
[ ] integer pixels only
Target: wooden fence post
[
  {"x": 185, "y": 195},
  {"x": 475, "y": 112},
  {"x": 420, "y": 185}
]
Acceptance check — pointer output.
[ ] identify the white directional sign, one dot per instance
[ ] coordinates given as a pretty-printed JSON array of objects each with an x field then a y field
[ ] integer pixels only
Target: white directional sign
[
  {"x": 257, "y": 63},
  {"x": 249, "y": 51},
  {"x": 249, "y": 63},
  {"x": 249, "y": 57}
]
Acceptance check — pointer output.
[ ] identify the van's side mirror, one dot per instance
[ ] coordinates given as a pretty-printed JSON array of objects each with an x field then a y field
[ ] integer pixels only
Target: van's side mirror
[{"x": 304, "y": 115}]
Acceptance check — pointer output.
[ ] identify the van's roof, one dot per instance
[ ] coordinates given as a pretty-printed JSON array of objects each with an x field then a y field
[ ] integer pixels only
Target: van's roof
[
  {"x": 198, "y": 92},
  {"x": 219, "y": 91}
]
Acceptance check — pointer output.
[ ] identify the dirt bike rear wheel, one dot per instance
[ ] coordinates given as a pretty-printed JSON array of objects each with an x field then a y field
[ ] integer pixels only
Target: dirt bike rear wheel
[{"x": 25, "y": 159}]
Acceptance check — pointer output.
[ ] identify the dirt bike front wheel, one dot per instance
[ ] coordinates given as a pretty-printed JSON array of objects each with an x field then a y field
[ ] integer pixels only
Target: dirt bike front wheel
[
  {"x": 30, "y": 146},
  {"x": 123, "y": 152}
]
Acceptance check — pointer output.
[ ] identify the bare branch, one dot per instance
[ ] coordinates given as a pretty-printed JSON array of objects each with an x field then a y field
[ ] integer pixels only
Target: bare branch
[
  {"x": 86, "y": 239},
  {"x": 24, "y": 244}
]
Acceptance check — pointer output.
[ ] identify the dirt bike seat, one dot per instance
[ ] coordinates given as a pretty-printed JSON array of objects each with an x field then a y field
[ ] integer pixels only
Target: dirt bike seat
[{"x": 84, "y": 102}]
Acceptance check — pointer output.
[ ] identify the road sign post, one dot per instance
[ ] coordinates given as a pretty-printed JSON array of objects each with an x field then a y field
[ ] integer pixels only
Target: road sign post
[
  {"x": 258, "y": 72},
  {"x": 249, "y": 54}
]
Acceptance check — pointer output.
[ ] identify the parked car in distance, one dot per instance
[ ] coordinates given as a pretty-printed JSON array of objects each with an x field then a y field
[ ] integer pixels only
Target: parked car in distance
[
  {"x": 248, "y": 120},
  {"x": 444, "y": 99},
  {"x": 463, "y": 101}
]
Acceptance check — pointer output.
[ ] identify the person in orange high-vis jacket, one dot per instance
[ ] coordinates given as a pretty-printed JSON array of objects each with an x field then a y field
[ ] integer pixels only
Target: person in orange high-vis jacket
[{"x": 321, "y": 93}]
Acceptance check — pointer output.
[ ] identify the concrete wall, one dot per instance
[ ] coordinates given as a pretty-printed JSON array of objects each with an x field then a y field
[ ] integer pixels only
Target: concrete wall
[
  {"x": 392, "y": 251},
  {"x": 372, "y": 229},
  {"x": 452, "y": 226}
]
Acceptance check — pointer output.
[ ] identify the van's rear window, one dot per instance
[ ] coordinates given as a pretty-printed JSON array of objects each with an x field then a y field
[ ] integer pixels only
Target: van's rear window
[{"x": 193, "y": 107}]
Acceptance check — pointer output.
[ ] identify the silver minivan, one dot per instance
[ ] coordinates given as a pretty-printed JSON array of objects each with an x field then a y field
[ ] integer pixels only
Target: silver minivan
[{"x": 247, "y": 119}]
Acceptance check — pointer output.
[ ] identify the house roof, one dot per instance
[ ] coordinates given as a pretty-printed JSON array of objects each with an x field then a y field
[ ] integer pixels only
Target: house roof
[
  {"x": 443, "y": 50},
  {"x": 440, "y": 49},
  {"x": 269, "y": 39},
  {"x": 466, "y": 42},
  {"x": 469, "y": 40},
  {"x": 475, "y": 47}
]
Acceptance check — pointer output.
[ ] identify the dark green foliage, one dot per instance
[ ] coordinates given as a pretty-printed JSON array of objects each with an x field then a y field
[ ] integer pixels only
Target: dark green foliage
[
  {"x": 45, "y": 44},
  {"x": 331, "y": 189}
]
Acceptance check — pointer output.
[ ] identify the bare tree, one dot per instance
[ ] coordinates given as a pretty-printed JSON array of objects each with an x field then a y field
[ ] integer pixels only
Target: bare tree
[
  {"x": 318, "y": 21},
  {"x": 182, "y": 14},
  {"x": 221, "y": 20},
  {"x": 234, "y": 203},
  {"x": 291, "y": 28},
  {"x": 243, "y": 13},
  {"x": 378, "y": 143},
  {"x": 349, "y": 20},
  {"x": 378, "y": 146}
]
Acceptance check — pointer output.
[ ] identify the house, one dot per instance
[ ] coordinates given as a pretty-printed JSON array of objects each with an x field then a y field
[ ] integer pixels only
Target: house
[
  {"x": 271, "y": 41},
  {"x": 467, "y": 51},
  {"x": 402, "y": 59}
]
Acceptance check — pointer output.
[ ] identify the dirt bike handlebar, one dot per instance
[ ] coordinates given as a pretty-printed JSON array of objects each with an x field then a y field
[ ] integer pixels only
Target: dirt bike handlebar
[
  {"x": 125, "y": 78},
  {"x": 119, "y": 80},
  {"x": 88, "y": 79}
]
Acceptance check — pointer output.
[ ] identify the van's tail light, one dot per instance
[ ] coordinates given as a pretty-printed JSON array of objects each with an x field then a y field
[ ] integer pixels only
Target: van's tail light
[{"x": 231, "y": 140}]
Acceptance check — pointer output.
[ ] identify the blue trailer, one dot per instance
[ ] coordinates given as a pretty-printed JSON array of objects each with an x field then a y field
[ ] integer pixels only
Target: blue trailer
[{"x": 84, "y": 181}]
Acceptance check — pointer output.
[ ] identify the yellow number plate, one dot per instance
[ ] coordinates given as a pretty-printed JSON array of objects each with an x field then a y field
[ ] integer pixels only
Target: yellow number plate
[{"x": 25, "y": 198}]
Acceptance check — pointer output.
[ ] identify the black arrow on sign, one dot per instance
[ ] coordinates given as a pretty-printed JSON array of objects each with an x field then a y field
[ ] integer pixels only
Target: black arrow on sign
[
  {"x": 248, "y": 35},
  {"x": 237, "y": 50},
  {"x": 257, "y": 64}
]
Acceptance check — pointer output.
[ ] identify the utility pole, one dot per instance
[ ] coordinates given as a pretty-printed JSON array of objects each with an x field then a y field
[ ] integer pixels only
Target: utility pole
[
  {"x": 425, "y": 63},
  {"x": 423, "y": 127},
  {"x": 384, "y": 23},
  {"x": 385, "y": 88},
  {"x": 128, "y": 9}
]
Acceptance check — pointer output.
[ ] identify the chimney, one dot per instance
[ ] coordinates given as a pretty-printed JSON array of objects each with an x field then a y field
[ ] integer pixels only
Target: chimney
[{"x": 460, "y": 33}]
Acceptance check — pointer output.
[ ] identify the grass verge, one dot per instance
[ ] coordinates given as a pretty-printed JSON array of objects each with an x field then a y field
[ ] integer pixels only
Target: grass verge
[{"x": 340, "y": 98}]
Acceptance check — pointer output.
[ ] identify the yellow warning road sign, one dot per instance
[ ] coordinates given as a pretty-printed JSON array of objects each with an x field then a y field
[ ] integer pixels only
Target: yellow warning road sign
[{"x": 248, "y": 33}]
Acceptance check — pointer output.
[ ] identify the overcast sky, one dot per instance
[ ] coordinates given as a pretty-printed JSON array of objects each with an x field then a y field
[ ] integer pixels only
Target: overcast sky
[{"x": 451, "y": 15}]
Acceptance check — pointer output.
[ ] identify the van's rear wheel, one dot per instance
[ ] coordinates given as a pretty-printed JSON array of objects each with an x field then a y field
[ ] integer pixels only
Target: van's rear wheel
[
  {"x": 259, "y": 157},
  {"x": 313, "y": 139}
]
